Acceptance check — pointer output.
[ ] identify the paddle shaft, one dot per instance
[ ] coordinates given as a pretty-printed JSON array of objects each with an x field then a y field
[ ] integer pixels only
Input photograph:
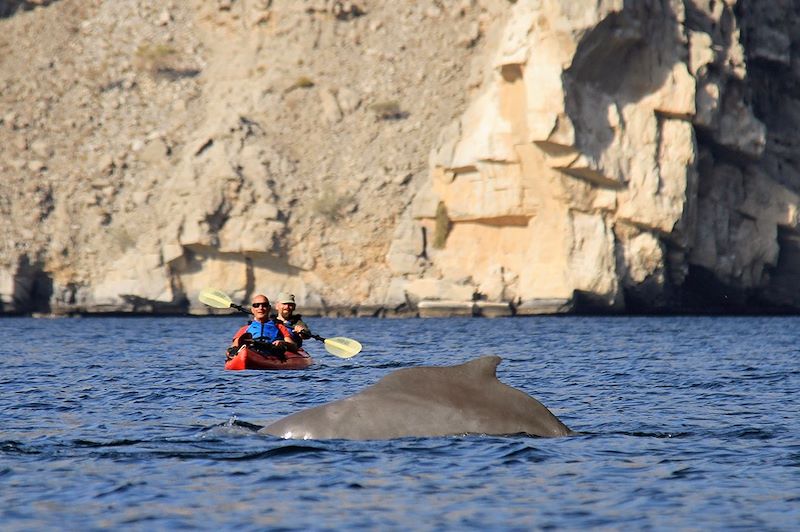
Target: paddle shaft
[
  {"x": 340, "y": 347},
  {"x": 240, "y": 308}
]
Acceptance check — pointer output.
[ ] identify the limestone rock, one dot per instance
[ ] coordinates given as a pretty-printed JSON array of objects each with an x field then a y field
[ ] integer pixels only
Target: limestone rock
[
  {"x": 476, "y": 158},
  {"x": 622, "y": 137}
]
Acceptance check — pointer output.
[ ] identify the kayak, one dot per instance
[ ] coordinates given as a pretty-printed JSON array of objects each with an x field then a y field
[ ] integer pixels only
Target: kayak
[{"x": 249, "y": 358}]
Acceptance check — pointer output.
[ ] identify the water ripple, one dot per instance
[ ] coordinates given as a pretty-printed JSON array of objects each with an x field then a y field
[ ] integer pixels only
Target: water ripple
[{"x": 683, "y": 423}]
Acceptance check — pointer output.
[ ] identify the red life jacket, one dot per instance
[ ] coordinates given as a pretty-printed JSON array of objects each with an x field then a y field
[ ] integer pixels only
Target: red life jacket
[{"x": 238, "y": 335}]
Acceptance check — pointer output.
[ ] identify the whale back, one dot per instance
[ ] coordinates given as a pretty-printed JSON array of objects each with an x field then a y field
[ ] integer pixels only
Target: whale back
[{"x": 426, "y": 401}]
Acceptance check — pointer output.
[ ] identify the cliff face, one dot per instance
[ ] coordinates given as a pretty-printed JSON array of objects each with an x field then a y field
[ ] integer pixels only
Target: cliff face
[
  {"x": 382, "y": 157},
  {"x": 622, "y": 156}
]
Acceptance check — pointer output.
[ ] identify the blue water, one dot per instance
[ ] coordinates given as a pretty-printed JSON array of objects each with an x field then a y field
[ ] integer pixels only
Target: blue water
[{"x": 686, "y": 423}]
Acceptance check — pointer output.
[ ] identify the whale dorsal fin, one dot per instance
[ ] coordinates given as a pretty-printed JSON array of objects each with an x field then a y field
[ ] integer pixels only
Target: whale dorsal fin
[
  {"x": 482, "y": 368},
  {"x": 475, "y": 373}
]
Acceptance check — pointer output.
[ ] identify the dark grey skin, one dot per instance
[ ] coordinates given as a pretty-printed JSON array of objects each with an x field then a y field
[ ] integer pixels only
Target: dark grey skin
[{"x": 426, "y": 401}]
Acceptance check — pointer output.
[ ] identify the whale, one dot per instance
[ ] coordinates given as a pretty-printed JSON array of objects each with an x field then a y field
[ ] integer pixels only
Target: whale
[{"x": 426, "y": 401}]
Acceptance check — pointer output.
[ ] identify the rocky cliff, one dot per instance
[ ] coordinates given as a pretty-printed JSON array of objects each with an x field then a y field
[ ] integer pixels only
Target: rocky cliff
[{"x": 399, "y": 158}]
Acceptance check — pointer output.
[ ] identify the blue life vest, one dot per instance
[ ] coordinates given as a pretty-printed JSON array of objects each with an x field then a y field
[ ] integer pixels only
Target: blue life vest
[{"x": 264, "y": 332}]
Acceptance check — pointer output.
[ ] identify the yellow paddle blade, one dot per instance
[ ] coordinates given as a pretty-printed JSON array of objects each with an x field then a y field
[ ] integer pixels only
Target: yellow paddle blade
[
  {"x": 214, "y": 298},
  {"x": 342, "y": 347}
]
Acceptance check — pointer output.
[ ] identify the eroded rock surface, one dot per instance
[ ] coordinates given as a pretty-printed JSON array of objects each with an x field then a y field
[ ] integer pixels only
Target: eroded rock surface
[{"x": 473, "y": 157}]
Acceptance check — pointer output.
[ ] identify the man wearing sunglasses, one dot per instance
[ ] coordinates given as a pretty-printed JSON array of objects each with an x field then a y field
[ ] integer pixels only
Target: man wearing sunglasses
[{"x": 262, "y": 329}]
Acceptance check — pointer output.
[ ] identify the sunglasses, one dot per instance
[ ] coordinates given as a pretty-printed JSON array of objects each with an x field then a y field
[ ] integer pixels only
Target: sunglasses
[{"x": 257, "y": 305}]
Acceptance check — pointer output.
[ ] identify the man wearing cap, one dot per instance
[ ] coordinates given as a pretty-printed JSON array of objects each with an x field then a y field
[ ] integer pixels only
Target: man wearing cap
[{"x": 285, "y": 308}]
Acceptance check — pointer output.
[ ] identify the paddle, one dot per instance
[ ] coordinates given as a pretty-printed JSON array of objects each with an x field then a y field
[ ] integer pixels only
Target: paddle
[
  {"x": 217, "y": 299},
  {"x": 339, "y": 346}
]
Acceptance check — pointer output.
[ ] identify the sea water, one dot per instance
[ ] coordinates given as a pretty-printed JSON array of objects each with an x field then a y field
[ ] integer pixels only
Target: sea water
[{"x": 687, "y": 423}]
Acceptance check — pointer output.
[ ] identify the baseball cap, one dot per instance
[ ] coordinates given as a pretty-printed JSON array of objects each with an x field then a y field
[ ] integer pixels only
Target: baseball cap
[{"x": 285, "y": 297}]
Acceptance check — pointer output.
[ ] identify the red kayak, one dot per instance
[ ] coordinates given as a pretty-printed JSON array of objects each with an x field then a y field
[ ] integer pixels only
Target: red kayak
[{"x": 249, "y": 358}]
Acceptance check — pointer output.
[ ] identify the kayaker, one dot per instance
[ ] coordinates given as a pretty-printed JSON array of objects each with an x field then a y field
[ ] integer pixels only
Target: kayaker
[
  {"x": 263, "y": 330},
  {"x": 294, "y": 322}
]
